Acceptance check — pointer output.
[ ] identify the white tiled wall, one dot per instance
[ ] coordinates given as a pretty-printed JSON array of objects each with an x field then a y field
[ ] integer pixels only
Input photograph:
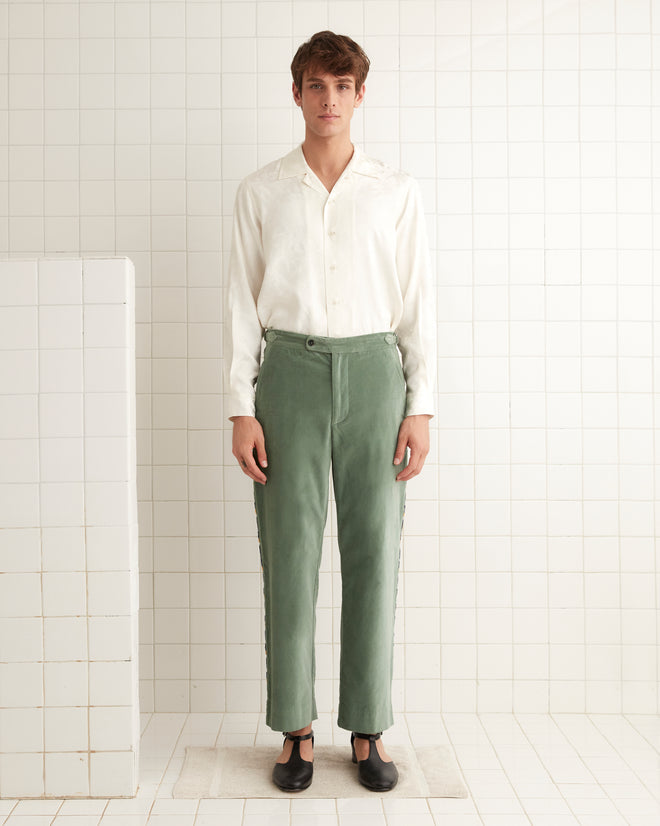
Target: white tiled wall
[
  {"x": 529, "y": 570},
  {"x": 69, "y": 716}
]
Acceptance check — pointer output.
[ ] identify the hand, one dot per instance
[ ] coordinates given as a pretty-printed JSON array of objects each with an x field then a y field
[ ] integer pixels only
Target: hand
[
  {"x": 413, "y": 431},
  {"x": 247, "y": 436}
]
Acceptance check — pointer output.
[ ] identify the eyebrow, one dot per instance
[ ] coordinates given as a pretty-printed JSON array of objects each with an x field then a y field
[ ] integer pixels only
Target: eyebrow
[{"x": 344, "y": 79}]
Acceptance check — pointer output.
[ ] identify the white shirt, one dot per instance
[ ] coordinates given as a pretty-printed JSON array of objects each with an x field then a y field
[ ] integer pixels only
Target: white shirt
[{"x": 344, "y": 263}]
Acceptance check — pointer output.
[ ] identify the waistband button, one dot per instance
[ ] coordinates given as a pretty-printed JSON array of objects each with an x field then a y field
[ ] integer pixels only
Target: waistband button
[{"x": 311, "y": 342}]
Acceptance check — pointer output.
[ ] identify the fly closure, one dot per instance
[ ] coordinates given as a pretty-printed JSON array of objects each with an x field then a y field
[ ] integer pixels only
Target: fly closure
[{"x": 339, "y": 387}]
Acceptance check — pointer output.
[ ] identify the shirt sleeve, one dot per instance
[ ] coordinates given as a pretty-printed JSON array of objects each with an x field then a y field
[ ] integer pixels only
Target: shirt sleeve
[
  {"x": 242, "y": 328},
  {"x": 417, "y": 327}
]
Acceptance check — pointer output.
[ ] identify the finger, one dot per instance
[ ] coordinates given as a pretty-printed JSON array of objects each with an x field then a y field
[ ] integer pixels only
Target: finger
[
  {"x": 249, "y": 467},
  {"x": 417, "y": 459},
  {"x": 261, "y": 451},
  {"x": 412, "y": 468},
  {"x": 400, "y": 451}
]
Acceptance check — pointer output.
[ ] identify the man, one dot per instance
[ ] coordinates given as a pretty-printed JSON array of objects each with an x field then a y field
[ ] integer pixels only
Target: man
[{"x": 330, "y": 264}]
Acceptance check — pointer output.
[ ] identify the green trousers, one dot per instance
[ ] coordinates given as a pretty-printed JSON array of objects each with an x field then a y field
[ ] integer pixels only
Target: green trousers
[{"x": 326, "y": 403}]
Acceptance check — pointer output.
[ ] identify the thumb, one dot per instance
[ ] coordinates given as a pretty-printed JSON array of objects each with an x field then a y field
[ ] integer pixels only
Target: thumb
[
  {"x": 261, "y": 451},
  {"x": 400, "y": 448}
]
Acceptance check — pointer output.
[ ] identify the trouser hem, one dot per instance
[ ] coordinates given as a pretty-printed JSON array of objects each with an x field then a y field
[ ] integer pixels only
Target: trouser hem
[
  {"x": 285, "y": 725},
  {"x": 361, "y": 726}
]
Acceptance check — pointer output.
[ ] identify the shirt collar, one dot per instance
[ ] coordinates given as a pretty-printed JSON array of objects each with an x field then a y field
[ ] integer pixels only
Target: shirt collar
[{"x": 294, "y": 164}]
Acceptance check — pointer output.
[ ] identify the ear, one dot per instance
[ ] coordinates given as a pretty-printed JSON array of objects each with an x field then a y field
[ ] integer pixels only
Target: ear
[
  {"x": 359, "y": 97},
  {"x": 296, "y": 94}
]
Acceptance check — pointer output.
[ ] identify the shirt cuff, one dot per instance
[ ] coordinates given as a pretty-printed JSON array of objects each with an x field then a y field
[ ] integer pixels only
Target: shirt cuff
[
  {"x": 419, "y": 403},
  {"x": 242, "y": 406}
]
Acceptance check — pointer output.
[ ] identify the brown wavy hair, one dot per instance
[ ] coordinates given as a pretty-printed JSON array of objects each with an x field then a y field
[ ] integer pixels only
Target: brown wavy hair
[{"x": 334, "y": 53}]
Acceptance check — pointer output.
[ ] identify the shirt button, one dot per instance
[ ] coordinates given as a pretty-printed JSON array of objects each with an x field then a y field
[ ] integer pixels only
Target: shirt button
[
  {"x": 332, "y": 233},
  {"x": 332, "y": 267}
]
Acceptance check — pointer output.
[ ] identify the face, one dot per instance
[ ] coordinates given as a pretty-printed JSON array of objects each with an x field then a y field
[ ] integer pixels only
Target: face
[{"x": 327, "y": 102}]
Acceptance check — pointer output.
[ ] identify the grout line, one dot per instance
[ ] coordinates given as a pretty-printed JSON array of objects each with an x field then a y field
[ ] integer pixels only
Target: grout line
[
  {"x": 581, "y": 413},
  {"x": 654, "y": 482},
  {"x": 189, "y": 573},
  {"x": 589, "y": 719},
  {"x": 493, "y": 745},
  {"x": 152, "y": 645},
  {"x": 510, "y": 430},
  {"x": 619, "y": 505},
  {"x": 475, "y": 646},
  {"x": 548, "y": 611}
]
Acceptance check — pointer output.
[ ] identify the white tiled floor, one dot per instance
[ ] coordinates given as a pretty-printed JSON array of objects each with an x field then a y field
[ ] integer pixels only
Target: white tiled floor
[{"x": 544, "y": 770}]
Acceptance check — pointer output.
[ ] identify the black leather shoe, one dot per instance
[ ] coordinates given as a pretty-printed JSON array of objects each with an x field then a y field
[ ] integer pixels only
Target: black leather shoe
[
  {"x": 374, "y": 772},
  {"x": 296, "y": 774}
]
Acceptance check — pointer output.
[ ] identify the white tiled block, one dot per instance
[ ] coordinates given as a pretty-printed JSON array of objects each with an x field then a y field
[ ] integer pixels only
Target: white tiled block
[
  {"x": 20, "y": 595},
  {"x": 113, "y": 773},
  {"x": 108, "y": 593},
  {"x": 172, "y": 664},
  {"x": 65, "y": 683},
  {"x": 21, "y": 729},
  {"x": 21, "y": 684},
  {"x": 63, "y": 548},
  {"x": 207, "y": 626},
  {"x": 61, "y": 460},
  {"x": 422, "y": 589},
  {"x": 18, "y": 328},
  {"x": 110, "y": 728},
  {"x": 18, "y": 283},
  {"x": 64, "y": 593},
  {"x": 243, "y": 590},
  {"x": 109, "y": 683},
  {"x": 66, "y": 774},
  {"x": 22, "y": 639},
  {"x": 61, "y": 415},
  {"x": 62, "y": 503},
  {"x": 65, "y": 638},
  {"x": 110, "y": 638},
  {"x": 207, "y": 590},
  {"x": 66, "y": 729},
  {"x": 60, "y": 281},
  {"x": 244, "y": 661},
  {"x": 243, "y": 695},
  {"x": 107, "y": 459},
  {"x": 105, "y": 325},
  {"x": 60, "y": 327},
  {"x": 422, "y": 662},
  {"x": 60, "y": 371},
  {"x": 106, "y": 281},
  {"x": 19, "y": 371},
  {"x": 21, "y": 775},
  {"x": 244, "y": 625},
  {"x": 19, "y": 506},
  {"x": 106, "y": 370},
  {"x": 108, "y": 548},
  {"x": 107, "y": 503},
  {"x": 106, "y": 414},
  {"x": 20, "y": 414},
  {"x": 57, "y": 500}
]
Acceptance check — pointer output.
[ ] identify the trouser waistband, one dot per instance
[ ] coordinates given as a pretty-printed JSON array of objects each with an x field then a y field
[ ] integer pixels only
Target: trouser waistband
[{"x": 329, "y": 344}]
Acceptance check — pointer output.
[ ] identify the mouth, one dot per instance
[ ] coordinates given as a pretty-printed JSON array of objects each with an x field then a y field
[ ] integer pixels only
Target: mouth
[{"x": 328, "y": 117}]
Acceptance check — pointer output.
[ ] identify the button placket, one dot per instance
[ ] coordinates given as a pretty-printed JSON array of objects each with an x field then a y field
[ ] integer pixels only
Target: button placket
[{"x": 330, "y": 253}]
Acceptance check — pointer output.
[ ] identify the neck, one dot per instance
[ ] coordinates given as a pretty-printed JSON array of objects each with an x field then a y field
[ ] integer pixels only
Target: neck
[{"x": 327, "y": 155}]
